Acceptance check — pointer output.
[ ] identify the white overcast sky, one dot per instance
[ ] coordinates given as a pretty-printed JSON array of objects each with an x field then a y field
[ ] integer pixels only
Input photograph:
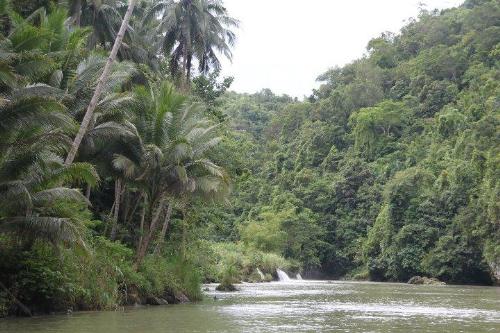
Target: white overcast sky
[{"x": 285, "y": 44}]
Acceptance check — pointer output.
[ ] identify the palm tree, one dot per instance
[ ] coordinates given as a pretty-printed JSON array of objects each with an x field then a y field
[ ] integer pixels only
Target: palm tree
[
  {"x": 33, "y": 52},
  {"x": 177, "y": 139},
  {"x": 34, "y": 132},
  {"x": 194, "y": 29},
  {"x": 100, "y": 86},
  {"x": 152, "y": 122},
  {"x": 142, "y": 44},
  {"x": 193, "y": 175},
  {"x": 61, "y": 50},
  {"x": 34, "y": 129},
  {"x": 111, "y": 142},
  {"x": 103, "y": 16}
]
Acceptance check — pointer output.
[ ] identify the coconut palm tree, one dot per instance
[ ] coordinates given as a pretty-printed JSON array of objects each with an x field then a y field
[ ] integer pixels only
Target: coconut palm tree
[
  {"x": 199, "y": 29},
  {"x": 193, "y": 175},
  {"x": 87, "y": 118},
  {"x": 39, "y": 47},
  {"x": 70, "y": 83},
  {"x": 177, "y": 139},
  {"x": 111, "y": 143},
  {"x": 34, "y": 128},
  {"x": 103, "y": 16}
]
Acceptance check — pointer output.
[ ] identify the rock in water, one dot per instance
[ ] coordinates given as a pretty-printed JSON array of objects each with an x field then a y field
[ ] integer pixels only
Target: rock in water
[
  {"x": 495, "y": 270},
  {"x": 425, "y": 280},
  {"x": 181, "y": 298},
  {"x": 153, "y": 300},
  {"x": 226, "y": 287},
  {"x": 175, "y": 297}
]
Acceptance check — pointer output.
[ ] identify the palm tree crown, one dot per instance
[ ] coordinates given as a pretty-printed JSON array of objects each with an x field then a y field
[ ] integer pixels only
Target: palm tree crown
[{"x": 199, "y": 29}]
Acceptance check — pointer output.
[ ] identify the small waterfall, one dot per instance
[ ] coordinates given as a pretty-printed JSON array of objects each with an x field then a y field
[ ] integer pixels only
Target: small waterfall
[
  {"x": 282, "y": 276},
  {"x": 262, "y": 277},
  {"x": 299, "y": 277}
]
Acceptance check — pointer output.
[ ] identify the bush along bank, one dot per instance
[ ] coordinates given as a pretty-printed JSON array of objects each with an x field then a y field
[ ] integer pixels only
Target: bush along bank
[
  {"x": 230, "y": 263},
  {"x": 43, "y": 279}
]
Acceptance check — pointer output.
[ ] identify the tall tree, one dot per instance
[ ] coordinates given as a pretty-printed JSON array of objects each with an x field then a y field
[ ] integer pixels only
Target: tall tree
[
  {"x": 195, "y": 29},
  {"x": 176, "y": 165},
  {"x": 100, "y": 85}
]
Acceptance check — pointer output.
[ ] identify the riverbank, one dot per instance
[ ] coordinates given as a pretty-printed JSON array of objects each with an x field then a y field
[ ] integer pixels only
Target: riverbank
[{"x": 45, "y": 279}]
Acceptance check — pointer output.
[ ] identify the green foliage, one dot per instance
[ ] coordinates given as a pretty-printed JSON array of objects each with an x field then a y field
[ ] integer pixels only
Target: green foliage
[
  {"x": 149, "y": 141},
  {"x": 173, "y": 274},
  {"x": 376, "y": 127},
  {"x": 238, "y": 262},
  {"x": 389, "y": 169},
  {"x": 209, "y": 91}
]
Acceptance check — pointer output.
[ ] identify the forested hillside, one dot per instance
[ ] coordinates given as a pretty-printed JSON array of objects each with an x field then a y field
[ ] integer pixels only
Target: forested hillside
[
  {"x": 137, "y": 187},
  {"x": 391, "y": 168}
]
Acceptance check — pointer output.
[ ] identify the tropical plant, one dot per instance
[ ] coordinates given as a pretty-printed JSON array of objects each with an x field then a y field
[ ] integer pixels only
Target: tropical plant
[
  {"x": 87, "y": 118},
  {"x": 34, "y": 134},
  {"x": 40, "y": 48},
  {"x": 176, "y": 167},
  {"x": 194, "y": 29}
]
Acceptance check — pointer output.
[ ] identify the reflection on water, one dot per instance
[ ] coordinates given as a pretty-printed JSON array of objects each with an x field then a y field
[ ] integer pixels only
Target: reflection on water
[{"x": 298, "y": 306}]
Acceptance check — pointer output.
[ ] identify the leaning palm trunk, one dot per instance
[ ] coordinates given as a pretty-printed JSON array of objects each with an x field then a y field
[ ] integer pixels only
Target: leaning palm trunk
[
  {"x": 164, "y": 229},
  {"x": 145, "y": 241},
  {"x": 116, "y": 213},
  {"x": 100, "y": 84},
  {"x": 141, "y": 228},
  {"x": 184, "y": 235}
]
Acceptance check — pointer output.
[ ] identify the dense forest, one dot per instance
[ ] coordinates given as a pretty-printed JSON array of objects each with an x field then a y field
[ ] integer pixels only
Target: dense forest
[{"x": 390, "y": 169}]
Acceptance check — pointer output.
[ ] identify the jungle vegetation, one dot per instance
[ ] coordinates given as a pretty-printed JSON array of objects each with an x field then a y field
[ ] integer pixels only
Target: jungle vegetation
[{"x": 390, "y": 169}]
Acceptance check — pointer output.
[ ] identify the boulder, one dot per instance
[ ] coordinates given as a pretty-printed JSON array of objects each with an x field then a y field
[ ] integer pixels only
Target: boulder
[
  {"x": 175, "y": 297},
  {"x": 153, "y": 300},
  {"x": 181, "y": 298},
  {"x": 133, "y": 296},
  {"x": 226, "y": 287},
  {"x": 425, "y": 280},
  {"x": 495, "y": 271},
  {"x": 254, "y": 277}
]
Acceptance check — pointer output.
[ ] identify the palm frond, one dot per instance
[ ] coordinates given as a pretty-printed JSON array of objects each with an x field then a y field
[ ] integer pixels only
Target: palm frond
[
  {"x": 52, "y": 229},
  {"x": 125, "y": 165},
  {"x": 49, "y": 196}
]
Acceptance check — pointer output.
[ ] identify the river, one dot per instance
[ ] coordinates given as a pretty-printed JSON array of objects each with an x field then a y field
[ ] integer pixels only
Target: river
[{"x": 297, "y": 306}]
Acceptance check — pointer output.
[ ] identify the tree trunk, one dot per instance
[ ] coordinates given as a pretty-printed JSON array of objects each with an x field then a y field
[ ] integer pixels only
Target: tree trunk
[
  {"x": 164, "y": 229},
  {"x": 141, "y": 228},
  {"x": 143, "y": 247},
  {"x": 100, "y": 84},
  {"x": 188, "y": 72},
  {"x": 76, "y": 11},
  {"x": 129, "y": 216},
  {"x": 185, "y": 58},
  {"x": 87, "y": 192},
  {"x": 184, "y": 68},
  {"x": 116, "y": 213},
  {"x": 184, "y": 236}
]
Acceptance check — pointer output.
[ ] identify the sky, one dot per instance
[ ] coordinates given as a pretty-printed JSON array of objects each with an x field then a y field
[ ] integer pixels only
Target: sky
[{"x": 285, "y": 44}]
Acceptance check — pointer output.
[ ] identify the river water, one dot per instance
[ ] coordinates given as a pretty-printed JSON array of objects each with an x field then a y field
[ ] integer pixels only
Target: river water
[{"x": 296, "y": 306}]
